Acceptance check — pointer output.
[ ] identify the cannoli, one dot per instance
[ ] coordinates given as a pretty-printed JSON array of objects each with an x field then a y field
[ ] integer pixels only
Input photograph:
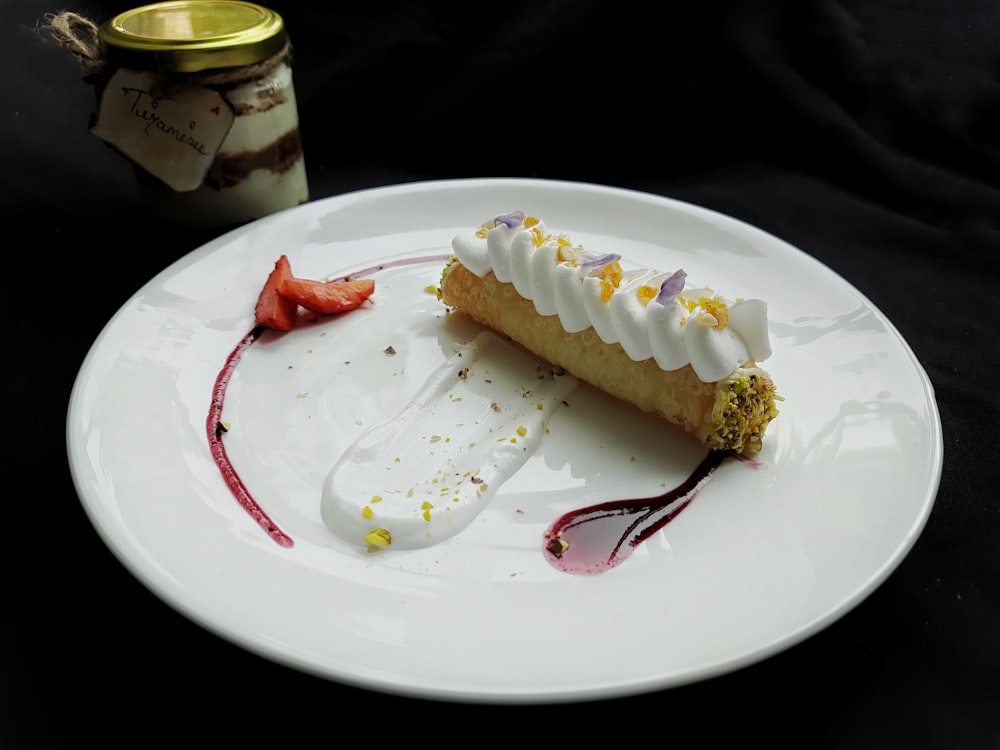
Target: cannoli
[{"x": 645, "y": 336}]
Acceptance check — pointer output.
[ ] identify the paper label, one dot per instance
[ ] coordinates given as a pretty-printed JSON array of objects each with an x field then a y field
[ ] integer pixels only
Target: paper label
[{"x": 174, "y": 134}]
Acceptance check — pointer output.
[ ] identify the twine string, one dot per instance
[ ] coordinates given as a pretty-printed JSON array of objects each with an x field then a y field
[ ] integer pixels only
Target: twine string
[{"x": 79, "y": 36}]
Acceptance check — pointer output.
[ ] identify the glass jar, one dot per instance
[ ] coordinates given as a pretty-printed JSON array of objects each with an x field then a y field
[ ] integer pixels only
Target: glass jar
[{"x": 200, "y": 97}]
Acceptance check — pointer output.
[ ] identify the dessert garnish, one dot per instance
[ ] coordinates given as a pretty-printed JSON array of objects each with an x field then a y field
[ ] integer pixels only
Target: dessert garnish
[
  {"x": 284, "y": 293},
  {"x": 599, "y": 537}
]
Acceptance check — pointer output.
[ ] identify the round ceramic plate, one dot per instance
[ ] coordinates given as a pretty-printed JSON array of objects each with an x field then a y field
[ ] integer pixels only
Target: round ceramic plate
[{"x": 761, "y": 559}]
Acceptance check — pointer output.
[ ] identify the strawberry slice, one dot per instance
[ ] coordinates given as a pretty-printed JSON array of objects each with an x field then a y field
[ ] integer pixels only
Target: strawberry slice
[
  {"x": 327, "y": 298},
  {"x": 273, "y": 310}
]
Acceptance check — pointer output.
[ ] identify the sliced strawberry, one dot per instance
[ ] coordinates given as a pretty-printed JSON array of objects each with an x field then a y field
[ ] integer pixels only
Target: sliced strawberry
[
  {"x": 273, "y": 310},
  {"x": 327, "y": 298}
]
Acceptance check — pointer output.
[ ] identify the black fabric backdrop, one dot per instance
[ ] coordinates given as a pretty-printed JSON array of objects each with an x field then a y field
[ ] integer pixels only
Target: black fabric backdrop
[{"x": 865, "y": 133}]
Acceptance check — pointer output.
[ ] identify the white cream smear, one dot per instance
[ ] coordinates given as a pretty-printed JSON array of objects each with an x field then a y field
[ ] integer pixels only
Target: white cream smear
[{"x": 422, "y": 476}]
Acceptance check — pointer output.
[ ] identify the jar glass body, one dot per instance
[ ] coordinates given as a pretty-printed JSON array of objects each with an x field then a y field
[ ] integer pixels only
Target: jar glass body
[
  {"x": 193, "y": 59},
  {"x": 259, "y": 168}
]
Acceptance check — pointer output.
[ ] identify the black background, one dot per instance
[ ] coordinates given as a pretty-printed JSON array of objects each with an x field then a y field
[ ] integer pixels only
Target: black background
[{"x": 865, "y": 133}]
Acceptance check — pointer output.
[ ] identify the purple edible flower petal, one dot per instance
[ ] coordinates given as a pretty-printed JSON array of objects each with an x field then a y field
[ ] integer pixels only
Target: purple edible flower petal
[
  {"x": 671, "y": 287},
  {"x": 591, "y": 262},
  {"x": 511, "y": 221}
]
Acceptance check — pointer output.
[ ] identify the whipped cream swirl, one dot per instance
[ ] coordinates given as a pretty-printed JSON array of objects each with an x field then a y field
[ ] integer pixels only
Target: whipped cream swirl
[{"x": 651, "y": 313}]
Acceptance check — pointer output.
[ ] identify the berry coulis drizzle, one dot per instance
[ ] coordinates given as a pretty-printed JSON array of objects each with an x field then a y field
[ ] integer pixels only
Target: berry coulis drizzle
[
  {"x": 216, "y": 429},
  {"x": 585, "y": 541},
  {"x": 600, "y": 537}
]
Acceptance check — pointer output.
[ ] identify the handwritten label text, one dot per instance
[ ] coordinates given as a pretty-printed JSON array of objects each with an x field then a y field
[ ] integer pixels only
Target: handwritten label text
[{"x": 174, "y": 137}]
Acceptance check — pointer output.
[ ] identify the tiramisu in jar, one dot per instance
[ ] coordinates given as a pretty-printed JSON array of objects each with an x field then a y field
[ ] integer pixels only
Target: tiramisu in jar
[{"x": 198, "y": 94}]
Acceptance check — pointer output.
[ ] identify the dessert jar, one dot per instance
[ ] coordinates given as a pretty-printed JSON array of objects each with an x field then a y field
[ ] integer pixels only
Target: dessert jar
[{"x": 199, "y": 95}]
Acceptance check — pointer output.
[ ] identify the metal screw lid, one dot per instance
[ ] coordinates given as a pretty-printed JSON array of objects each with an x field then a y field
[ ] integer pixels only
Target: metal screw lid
[{"x": 188, "y": 36}]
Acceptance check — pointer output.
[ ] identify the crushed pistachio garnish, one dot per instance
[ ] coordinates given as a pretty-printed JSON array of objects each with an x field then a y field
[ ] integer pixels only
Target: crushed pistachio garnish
[
  {"x": 378, "y": 538},
  {"x": 647, "y": 292}
]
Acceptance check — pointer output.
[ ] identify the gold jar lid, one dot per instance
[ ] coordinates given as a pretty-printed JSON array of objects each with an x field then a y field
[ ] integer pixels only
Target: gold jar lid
[{"x": 188, "y": 36}]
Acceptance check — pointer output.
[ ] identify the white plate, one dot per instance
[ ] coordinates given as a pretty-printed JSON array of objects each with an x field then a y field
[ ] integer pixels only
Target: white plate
[{"x": 759, "y": 561}]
